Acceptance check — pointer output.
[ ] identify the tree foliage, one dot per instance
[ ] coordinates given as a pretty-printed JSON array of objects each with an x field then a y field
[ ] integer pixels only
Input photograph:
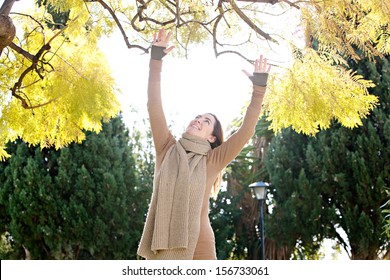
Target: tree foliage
[
  {"x": 313, "y": 93},
  {"x": 335, "y": 182},
  {"x": 55, "y": 82},
  {"x": 347, "y": 26},
  {"x": 86, "y": 201}
]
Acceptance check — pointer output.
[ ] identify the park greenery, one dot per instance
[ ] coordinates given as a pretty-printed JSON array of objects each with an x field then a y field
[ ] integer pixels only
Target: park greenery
[
  {"x": 75, "y": 182},
  {"x": 85, "y": 201}
]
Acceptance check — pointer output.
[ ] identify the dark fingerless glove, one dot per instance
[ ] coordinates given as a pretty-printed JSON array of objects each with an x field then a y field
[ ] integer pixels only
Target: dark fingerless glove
[
  {"x": 259, "y": 79},
  {"x": 157, "y": 52}
]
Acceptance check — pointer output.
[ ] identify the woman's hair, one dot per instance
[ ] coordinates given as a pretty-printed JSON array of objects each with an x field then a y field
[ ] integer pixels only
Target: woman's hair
[{"x": 218, "y": 134}]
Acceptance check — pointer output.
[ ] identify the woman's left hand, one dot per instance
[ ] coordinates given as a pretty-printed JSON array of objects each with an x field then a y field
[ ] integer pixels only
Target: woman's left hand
[
  {"x": 261, "y": 66},
  {"x": 260, "y": 73}
]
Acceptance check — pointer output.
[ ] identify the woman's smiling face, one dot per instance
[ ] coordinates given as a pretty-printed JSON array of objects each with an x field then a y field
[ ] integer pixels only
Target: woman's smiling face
[{"x": 203, "y": 127}]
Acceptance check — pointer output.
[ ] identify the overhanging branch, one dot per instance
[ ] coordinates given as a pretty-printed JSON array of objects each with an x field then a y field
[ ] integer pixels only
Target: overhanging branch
[
  {"x": 237, "y": 53},
  {"x": 250, "y": 23},
  {"x": 33, "y": 67},
  {"x": 7, "y": 7},
  {"x": 21, "y": 51},
  {"x": 119, "y": 24}
]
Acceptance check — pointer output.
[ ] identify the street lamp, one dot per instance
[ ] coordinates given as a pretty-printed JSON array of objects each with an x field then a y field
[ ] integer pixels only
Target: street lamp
[{"x": 260, "y": 190}]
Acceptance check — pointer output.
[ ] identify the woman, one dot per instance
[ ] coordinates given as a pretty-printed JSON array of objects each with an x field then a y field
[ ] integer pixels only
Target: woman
[{"x": 187, "y": 171}]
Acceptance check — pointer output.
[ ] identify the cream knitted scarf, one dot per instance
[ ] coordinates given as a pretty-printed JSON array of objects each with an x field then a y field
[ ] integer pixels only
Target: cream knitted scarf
[{"x": 183, "y": 169}]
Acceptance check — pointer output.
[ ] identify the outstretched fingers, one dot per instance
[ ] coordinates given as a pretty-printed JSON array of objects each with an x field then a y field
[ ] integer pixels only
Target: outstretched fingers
[
  {"x": 261, "y": 65},
  {"x": 161, "y": 39}
]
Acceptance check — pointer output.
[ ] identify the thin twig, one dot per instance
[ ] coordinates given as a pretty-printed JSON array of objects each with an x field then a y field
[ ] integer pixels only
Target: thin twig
[{"x": 237, "y": 53}]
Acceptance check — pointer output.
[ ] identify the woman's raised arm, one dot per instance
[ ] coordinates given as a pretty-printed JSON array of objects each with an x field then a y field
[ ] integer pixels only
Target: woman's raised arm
[
  {"x": 160, "y": 131},
  {"x": 225, "y": 153}
]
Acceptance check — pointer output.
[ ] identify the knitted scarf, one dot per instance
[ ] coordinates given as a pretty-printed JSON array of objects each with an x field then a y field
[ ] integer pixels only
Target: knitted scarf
[{"x": 178, "y": 193}]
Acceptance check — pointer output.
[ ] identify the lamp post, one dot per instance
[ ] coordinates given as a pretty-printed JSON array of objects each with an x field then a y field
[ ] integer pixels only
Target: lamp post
[{"x": 260, "y": 190}]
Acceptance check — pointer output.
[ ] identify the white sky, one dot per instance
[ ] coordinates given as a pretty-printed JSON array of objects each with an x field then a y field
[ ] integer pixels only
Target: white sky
[{"x": 192, "y": 86}]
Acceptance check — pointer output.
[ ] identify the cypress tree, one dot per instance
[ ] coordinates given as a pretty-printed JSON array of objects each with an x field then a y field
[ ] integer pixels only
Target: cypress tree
[
  {"x": 341, "y": 175},
  {"x": 81, "y": 202}
]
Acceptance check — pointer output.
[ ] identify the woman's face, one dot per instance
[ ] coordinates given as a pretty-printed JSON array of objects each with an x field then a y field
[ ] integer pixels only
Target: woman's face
[{"x": 203, "y": 127}]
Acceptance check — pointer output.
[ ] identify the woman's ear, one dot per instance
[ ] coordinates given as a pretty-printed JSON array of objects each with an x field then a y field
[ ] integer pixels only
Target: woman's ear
[{"x": 211, "y": 139}]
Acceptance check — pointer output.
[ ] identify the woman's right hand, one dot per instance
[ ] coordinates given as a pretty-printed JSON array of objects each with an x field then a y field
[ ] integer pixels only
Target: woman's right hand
[{"x": 160, "y": 43}]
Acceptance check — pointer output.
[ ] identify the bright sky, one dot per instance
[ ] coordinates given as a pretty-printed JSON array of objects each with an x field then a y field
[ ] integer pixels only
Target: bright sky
[{"x": 190, "y": 86}]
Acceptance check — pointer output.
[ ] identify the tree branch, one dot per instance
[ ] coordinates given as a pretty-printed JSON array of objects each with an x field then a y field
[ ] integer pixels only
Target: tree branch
[
  {"x": 237, "y": 53},
  {"x": 250, "y": 23},
  {"x": 7, "y": 7},
  {"x": 177, "y": 12},
  {"x": 7, "y": 28},
  {"x": 34, "y": 59},
  {"x": 32, "y": 18},
  {"x": 291, "y": 4},
  {"x": 23, "y": 52},
  {"x": 168, "y": 8},
  {"x": 118, "y": 23},
  {"x": 258, "y": 1},
  {"x": 215, "y": 41},
  {"x": 220, "y": 16},
  {"x": 272, "y": 2},
  {"x": 32, "y": 67}
]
